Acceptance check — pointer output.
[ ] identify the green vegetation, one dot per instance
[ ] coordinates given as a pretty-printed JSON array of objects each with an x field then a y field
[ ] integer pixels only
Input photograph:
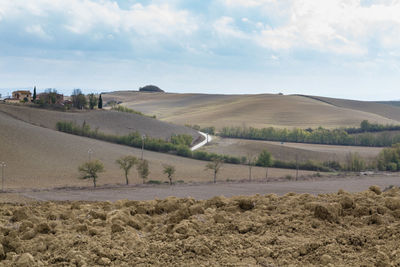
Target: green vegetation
[
  {"x": 143, "y": 169},
  {"x": 363, "y": 136},
  {"x": 100, "y": 104},
  {"x": 90, "y": 170},
  {"x": 209, "y": 130},
  {"x": 265, "y": 160},
  {"x": 34, "y": 94},
  {"x": 150, "y": 88},
  {"x": 389, "y": 159},
  {"x": 354, "y": 163},
  {"x": 126, "y": 163},
  {"x": 93, "y": 101},
  {"x": 169, "y": 170},
  {"x": 129, "y": 110},
  {"x": 79, "y": 100},
  {"x": 180, "y": 148}
]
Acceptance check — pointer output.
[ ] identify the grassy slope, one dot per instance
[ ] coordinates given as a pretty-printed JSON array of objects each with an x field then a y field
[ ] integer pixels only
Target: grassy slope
[
  {"x": 111, "y": 122},
  {"x": 39, "y": 157},
  {"x": 251, "y": 110}
]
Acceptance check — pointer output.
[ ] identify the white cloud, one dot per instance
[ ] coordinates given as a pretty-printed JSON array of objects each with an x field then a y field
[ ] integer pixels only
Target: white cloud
[
  {"x": 338, "y": 26},
  {"x": 225, "y": 27},
  {"x": 38, "y": 31},
  {"x": 83, "y": 16}
]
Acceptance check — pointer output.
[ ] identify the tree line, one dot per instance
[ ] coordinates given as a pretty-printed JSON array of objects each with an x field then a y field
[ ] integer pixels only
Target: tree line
[
  {"x": 312, "y": 136},
  {"x": 179, "y": 145}
]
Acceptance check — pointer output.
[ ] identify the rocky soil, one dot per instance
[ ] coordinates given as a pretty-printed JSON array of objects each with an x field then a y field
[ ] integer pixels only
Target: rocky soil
[{"x": 341, "y": 229}]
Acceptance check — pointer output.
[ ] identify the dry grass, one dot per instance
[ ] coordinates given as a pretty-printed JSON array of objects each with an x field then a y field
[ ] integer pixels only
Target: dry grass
[
  {"x": 288, "y": 151},
  {"x": 38, "y": 157},
  {"x": 247, "y": 110}
]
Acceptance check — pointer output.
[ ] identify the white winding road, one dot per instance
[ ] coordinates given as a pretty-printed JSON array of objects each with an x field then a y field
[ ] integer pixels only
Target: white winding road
[{"x": 205, "y": 141}]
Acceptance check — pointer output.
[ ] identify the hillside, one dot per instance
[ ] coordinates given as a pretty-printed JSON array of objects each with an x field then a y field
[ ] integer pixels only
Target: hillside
[
  {"x": 110, "y": 122},
  {"x": 384, "y": 109},
  {"x": 288, "y": 151},
  {"x": 38, "y": 157},
  {"x": 258, "y": 111}
]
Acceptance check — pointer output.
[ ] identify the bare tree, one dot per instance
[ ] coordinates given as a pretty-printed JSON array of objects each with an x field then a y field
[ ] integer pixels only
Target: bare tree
[
  {"x": 169, "y": 170},
  {"x": 215, "y": 166},
  {"x": 251, "y": 162},
  {"x": 90, "y": 170},
  {"x": 126, "y": 163}
]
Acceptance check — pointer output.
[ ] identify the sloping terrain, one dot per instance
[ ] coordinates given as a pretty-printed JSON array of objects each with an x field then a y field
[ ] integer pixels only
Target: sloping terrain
[
  {"x": 288, "y": 151},
  {"x": 379, "y": 108},
  {"x": 342, "y": 229},
  {"x": 110, "y": 122},
  {"x": 38, "y": 157},
  {"x": 258, "y": 111}
]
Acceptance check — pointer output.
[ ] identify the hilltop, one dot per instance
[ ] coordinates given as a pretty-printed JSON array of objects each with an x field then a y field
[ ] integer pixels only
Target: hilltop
[{"x": 258, "y": 111}]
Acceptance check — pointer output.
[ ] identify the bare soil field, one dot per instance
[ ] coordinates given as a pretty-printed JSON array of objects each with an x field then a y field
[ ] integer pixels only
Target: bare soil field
[
  {"x": 258, "y": 111},
  {"x": 314, "y": 185},
  {"x": 110, "y": 122},
  {"x": 385, "y": 110},
  {"x": 38, "y": 157},
  {"x": 287, "y": 151},
  {"x": 339, "y": 229}
]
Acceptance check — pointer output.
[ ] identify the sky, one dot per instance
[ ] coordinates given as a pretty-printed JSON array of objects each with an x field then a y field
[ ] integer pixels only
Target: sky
[{"x": 337, "y": 48}]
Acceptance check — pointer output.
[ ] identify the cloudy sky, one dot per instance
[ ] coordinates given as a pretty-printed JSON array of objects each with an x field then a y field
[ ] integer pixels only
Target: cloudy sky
[{"x": 338, "y": 48}]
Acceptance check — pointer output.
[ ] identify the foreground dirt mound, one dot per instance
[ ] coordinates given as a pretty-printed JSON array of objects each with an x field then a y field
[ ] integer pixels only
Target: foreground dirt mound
[{"x": 335, "y": 230}]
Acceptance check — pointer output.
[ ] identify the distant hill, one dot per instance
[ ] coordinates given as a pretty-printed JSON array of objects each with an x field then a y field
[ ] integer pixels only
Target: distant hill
[
  {"x": 151, "y": 88},
  {"x": 110, "y": 122},
  {"x": 263, "y": 110},
  {"x": 39, "y": 157}
]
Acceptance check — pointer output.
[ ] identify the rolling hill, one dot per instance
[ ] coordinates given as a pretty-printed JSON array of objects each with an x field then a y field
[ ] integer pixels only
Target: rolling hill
[
  {"x": 258, "y": 111},
  {"x": 109, "y": 122},
  {"x": 39, "y": 157}
]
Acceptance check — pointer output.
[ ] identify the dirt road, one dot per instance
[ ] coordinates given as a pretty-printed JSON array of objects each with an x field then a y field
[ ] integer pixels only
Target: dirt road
[{"x": 205, "y": 191}]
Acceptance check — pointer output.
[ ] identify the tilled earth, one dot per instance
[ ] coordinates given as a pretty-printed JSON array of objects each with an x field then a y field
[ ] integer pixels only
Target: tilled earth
[{"x": 340, "y": 229}]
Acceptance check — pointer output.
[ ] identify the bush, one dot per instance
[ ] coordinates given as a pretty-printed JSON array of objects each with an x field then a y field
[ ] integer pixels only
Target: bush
[
  {"x": 154, "y": 182},
  {"x": 184, "y": 151}
]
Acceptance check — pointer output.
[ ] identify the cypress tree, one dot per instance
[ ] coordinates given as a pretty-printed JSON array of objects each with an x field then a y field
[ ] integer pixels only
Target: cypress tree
[
  {"x": 100, "y": 105},
  {"x": 34, "y": 93}
]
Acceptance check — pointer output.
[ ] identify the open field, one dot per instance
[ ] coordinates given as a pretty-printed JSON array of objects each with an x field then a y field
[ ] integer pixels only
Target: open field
[
  {"x": 38, "y": 157},
  {"x": 339, "y": 229},
  {"x": 315, "y": 186},
  {"x": 258, "y": 111},
  {"x": 385, "y": 110},
  {"x": 288, "y": 151},
  {"x": 110, "y": 122}
]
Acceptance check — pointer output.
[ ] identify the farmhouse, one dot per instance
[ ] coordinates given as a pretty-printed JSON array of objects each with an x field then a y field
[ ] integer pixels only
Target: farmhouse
[
  {"x": 51, "y": 98},
  {"x": 22, "y": 95}
]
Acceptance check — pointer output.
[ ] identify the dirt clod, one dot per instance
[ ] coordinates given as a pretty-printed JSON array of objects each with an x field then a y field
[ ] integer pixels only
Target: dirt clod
[{"x": 345, "y": 229}]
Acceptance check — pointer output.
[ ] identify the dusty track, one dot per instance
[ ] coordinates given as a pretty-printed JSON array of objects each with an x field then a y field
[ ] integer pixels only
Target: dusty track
[{"x": 206, "y": 191}]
